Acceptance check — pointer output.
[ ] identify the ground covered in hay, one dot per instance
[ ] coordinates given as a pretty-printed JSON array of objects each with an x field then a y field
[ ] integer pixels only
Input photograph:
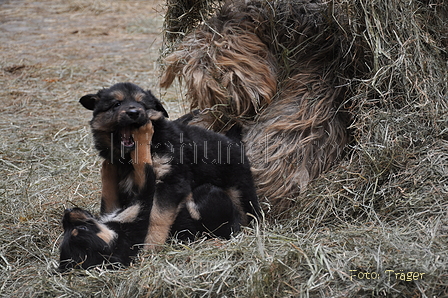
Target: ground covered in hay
[{"x": 374, "y": 226}]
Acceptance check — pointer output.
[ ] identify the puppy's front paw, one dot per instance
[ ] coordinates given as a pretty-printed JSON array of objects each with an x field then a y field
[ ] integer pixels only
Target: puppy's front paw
[
  {"x": 141, "y": 155},
  {"x": 142, "y": 138},
  {"x": 143, "y": 134}
]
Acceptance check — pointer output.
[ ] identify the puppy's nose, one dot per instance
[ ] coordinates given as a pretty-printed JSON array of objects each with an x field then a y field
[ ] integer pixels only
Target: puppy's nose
[
  {"x": 69, "y": 210},
  {"x": 133, "y": 113}
]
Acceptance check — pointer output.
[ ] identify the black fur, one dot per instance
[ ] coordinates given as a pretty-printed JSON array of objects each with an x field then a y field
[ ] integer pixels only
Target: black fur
[
  {"x": 219, "y": 217},
  {"x": 201, "y": 157},
  {"x": 86, "y": 249}
]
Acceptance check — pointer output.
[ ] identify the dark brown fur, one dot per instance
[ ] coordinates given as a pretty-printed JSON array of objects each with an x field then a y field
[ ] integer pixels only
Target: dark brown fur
[{"x": 117, "y": 236}]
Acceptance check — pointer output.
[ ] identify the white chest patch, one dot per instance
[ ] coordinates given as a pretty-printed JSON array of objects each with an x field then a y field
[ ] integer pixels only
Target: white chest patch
[
  {"x": 127, "y": 215},
  {"x": 161, "y": 165}
]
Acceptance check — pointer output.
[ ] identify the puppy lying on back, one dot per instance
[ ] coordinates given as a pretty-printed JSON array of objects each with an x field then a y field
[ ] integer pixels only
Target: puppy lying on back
[
  {"x": 116, "y": 238},
  {"x": 201, "y": 176}
]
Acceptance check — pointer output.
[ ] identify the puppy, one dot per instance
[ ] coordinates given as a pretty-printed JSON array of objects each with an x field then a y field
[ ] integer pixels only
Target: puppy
[
  {"x": 192, "y": 166},
  {"x": 118, "y": 111},
  {"x": 115, "y": 237}
]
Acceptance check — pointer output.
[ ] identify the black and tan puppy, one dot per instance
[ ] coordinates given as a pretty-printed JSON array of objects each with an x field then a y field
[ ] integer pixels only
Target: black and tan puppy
[
  {"x": 116, "y": 238},
  {"x": 193, "y": 166},
  {"x": 118, "y": 111}
]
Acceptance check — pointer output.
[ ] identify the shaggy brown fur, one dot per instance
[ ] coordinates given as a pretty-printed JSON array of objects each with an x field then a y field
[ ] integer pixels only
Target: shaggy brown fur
[
  {"x": 284, "y": 67},
  {"x": 225, "y": 67},
  {"x": 296, "y": 138}
]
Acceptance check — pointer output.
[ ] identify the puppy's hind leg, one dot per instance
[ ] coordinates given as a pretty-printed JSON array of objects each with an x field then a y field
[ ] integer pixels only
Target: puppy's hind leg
[
  {"x": 216, "y": 211},
  {"x": 167, "y": 204}
]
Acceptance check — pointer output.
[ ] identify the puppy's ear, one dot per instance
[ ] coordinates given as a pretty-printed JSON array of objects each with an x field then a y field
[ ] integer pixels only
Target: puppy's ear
[
  {"x": 160, "y": 108},
  {"x": 158, "y": 105},
  {"x": 89, "y": 101}
]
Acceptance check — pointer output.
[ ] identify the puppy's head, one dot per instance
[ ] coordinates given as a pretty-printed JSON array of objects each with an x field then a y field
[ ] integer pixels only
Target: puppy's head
[
  {"x": 116, "y": 111},
  {"x": 86, "y": 241}
]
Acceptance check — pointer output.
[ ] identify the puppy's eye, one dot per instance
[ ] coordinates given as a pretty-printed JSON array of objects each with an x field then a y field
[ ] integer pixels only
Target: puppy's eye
[{"x": 82, "y": 228}]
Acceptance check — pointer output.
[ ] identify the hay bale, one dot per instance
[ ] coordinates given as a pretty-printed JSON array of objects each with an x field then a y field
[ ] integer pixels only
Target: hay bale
[
  {"x": 223, "y": 62},
  {"x": 378, "y": 67}
]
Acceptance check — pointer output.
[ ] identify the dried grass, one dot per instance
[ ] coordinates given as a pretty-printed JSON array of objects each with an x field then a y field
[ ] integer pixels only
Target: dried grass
[
  {"x": 383, "y": 208},
  {"x": 394, "y": 174},
  {"x": 183, "y": 15}
]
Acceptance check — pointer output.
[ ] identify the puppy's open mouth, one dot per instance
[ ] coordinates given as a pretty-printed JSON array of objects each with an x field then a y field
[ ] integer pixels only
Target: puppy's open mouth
[{"x": 127, "y": 141}]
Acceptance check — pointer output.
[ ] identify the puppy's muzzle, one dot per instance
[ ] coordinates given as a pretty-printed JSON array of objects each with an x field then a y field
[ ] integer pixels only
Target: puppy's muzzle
[{"x": 134, "y": 114}]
